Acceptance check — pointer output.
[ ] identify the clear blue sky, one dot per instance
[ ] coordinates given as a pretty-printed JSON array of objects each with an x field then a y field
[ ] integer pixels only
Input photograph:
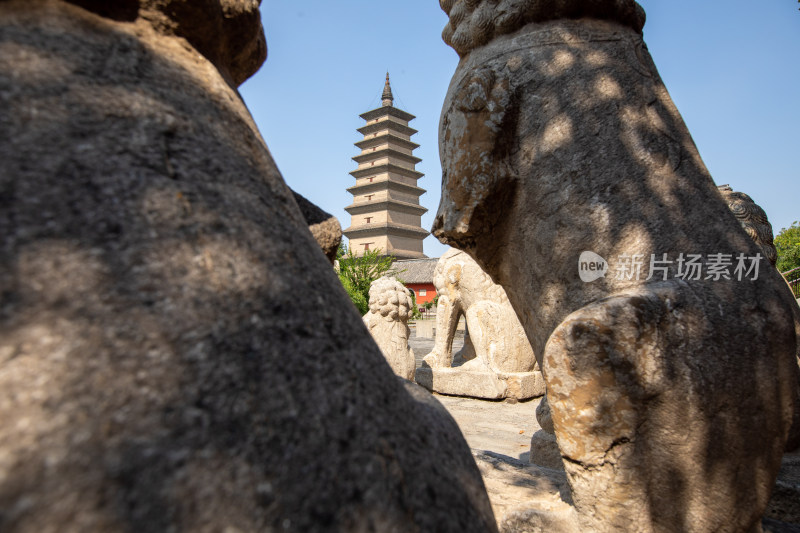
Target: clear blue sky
[{"x": 732, "y": 68}]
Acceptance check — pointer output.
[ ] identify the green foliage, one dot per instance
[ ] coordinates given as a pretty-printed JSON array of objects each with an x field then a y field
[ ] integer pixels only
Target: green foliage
[
  {"x": 415, "y": 314},
  {"x": 357, "y": 272},
  {"x": 787, "y": 242},
  {"x": 360, "y": 300}
]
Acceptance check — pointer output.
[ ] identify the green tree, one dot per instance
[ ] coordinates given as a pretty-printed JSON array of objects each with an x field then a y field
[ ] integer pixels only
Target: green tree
[
  {"x": 787, "y": 242},
  {"x": 415, "y": 313},
  {"x": 357, "y": 272}
]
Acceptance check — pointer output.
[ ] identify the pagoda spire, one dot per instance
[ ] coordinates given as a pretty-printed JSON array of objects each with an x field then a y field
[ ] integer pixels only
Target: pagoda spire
[{"x": 386, "y": 97}]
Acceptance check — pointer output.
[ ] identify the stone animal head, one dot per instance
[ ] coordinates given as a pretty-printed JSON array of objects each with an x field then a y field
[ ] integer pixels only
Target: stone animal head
[
  {"x": 389, "y": 299},
  {"x": 227, "y": 32},
  {"x": 474, "y": 132},
  {"x": 458, "y": 276},
  {"x": 484, "y": 114},
  {"x": 753, "y": 219}
]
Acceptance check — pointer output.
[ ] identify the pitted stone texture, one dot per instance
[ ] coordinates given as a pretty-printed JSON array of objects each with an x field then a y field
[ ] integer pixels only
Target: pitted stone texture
[
  {"x": 227, "y": 32},
  {"x": 561, "y": 138},
  {"x": 175, "y": 353},
  {"x": 387, "y": 322},
  {"x": 500, "y": 362}
]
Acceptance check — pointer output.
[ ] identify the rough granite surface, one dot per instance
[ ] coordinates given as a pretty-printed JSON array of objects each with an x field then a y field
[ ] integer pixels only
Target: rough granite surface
[
  {"x": 671, "y": 397},
  {"x": 175, "y": 352}
]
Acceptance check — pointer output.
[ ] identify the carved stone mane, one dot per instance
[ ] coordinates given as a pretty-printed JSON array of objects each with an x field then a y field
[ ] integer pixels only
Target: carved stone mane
[
  {"x": 389, "y": 298},
  {"x": 474, "y": 23},
  {"x": 752, "y": 218}
]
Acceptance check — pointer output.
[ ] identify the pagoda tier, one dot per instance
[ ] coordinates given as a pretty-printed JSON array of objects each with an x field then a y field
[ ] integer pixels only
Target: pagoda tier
[
  {"x": 387, "y": 111},
  {"x": 386, "y": 127},
  {"x": 369, "y": 207},
  {"x": 373, "y": 142},
  {"x": 366, "y": 172},
  {"x": 386, "y": 213},
  {"x": 388, "y": 153}
]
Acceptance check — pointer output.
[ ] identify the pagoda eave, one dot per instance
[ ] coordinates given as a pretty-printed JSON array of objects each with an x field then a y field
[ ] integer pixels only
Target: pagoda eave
[
  {"x": 387, "y": 228},
  {"x": 384, "y": 139},
  {"x": 386, "y": 152},
  {"x": 386, "y": 167},
  {"x": 384, "y": 185},
  {"x": 405, "y": 254},
  {"x": 395, "y": 205},
  {"x": 386, "y": 125},
  {"x": 387, "y": 110}
]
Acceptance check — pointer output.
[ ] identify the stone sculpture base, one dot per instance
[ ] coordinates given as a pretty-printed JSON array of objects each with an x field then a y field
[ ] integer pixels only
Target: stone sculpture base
[{"x": 487, "y": 385}]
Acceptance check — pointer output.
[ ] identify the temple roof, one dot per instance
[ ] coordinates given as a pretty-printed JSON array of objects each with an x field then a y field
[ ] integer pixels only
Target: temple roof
[{"x": 415, "y": 270}]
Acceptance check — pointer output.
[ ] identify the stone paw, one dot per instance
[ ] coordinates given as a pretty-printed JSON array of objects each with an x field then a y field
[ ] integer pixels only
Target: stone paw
[
  {"x": 432, "y": 360},
  {"x": 476, "y": 365}
]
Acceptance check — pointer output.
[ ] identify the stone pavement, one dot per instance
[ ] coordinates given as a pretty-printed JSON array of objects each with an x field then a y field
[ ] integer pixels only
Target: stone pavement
[
  {"x": 500, "y": 427},
  {"x": 499, "y": 434}
]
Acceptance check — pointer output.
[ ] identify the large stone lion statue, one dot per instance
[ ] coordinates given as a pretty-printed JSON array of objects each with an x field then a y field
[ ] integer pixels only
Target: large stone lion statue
[{"x": 671, "y": 388}]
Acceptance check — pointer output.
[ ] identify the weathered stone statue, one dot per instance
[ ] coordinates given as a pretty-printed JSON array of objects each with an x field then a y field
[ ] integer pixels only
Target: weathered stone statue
[
  {"x": 670, "y": 369},
  {"x": 387, "y": 321},
  {"x": 175, "y": 352},
  {"x": 755, "y": 222},
  {"x": 502, "y": 364}
]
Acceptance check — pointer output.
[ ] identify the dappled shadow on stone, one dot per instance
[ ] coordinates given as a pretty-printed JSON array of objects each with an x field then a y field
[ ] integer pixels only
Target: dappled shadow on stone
[
  {"x": 175, "y": 351},
  {"x": 671, "y": 399}
]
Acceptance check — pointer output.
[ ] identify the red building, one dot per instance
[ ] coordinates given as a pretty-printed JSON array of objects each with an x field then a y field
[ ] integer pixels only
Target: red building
[{"x": 417, "y": 275}]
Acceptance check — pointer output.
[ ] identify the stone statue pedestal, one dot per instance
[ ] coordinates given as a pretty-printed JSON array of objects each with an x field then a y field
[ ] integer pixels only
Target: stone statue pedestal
[{"x": 476, "y": 384}]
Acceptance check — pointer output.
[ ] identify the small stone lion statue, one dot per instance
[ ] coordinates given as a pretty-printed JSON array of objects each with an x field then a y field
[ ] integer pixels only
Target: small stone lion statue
[{"x": 387, "y": 321}]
